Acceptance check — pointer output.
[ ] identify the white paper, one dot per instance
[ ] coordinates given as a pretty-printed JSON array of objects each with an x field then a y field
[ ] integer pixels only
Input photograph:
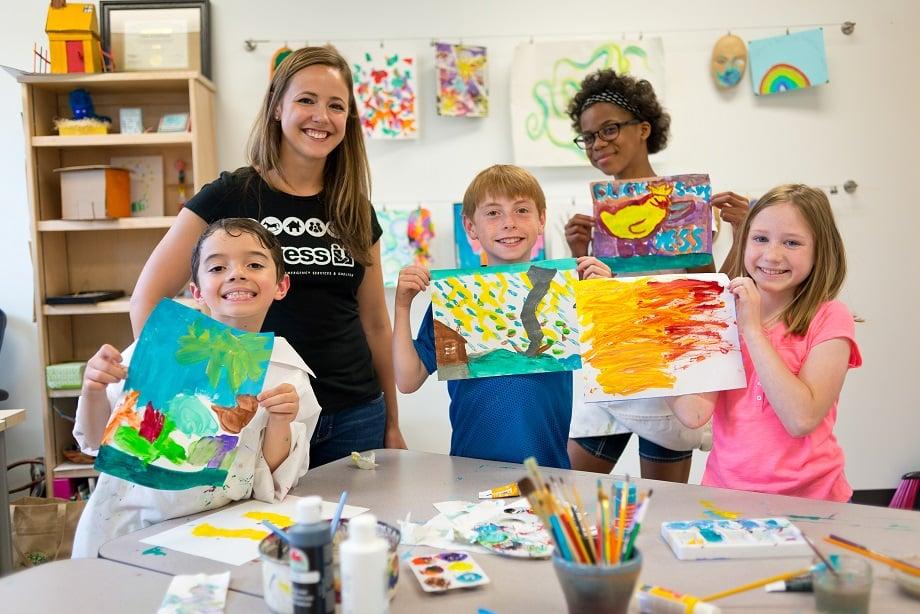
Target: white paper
[
  {"x": 236, "y": 550},
  {"x": 196, "y": 593}
]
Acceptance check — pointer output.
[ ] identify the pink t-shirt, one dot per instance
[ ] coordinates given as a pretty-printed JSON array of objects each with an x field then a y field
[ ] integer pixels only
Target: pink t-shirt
[{"x": 751, "y": 449}]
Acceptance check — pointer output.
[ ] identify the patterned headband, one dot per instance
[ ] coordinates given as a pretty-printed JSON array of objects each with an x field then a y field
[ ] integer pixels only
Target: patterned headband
[{"x": 613, "y": 98}]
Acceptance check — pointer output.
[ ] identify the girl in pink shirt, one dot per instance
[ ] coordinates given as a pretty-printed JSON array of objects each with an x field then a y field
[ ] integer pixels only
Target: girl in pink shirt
[{"x": 797, "y": 343}]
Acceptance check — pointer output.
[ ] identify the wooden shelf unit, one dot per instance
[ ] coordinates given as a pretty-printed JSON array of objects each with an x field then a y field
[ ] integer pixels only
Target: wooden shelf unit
[{"x": 76, "y": 255}]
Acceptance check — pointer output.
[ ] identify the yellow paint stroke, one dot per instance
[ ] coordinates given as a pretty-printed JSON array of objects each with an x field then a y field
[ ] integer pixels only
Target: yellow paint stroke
[
  {"x": 209, "y": 530},
  {"x": 715, "y": 511},
  {"x": 636, "y": 333},
  {"x": 279, "y": 520},
  {"x": 126, "y": 414}
]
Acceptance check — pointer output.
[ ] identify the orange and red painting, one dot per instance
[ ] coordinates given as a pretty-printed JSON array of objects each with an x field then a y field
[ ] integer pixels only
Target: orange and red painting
[{"x": 656, "y": 336}]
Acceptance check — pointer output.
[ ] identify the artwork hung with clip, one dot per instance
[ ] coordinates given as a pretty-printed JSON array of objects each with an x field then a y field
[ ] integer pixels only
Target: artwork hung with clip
[
  {"x": 545, "y": 76},
  {"x": 386, "y": 91},
  {"x": 469, "y": 251},
  {"x": 654, "y": 223},
  {"x": 645, "y": 337},
  {"x": 788, "y": 62},
  {"x": 191, "y": 389},
  {"x": 463, "y": 89},
  {"x": 514, "y": 318}
]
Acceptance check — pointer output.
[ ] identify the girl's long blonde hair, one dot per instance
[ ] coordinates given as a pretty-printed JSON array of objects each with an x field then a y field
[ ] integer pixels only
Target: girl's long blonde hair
[
  {"x": 830, "y": 266},
  {"x": 346, "y": 175}
]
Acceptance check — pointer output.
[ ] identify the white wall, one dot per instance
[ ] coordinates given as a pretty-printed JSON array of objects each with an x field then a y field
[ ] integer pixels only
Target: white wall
[{"x": 850, "y": 129}]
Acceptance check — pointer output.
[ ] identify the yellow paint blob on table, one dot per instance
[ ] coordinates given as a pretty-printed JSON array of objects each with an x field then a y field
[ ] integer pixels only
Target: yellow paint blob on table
[
  {"x": 209, "y": 530},
  {"x": 279, "y": 520}
]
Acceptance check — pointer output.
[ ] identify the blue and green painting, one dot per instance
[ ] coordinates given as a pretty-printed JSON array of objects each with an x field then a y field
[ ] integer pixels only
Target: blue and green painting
[
  {"x": 191, "y": 388},
  {"x": 504, "y": 320}
]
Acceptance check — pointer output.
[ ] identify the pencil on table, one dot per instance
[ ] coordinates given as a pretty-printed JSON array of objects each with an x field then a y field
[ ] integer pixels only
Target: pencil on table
[
  {"x": 878, "y": 556},
  {"x": 756, "y": 584}
]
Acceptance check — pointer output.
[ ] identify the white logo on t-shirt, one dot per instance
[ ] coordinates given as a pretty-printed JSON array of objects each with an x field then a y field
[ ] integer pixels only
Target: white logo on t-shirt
[
  {"x": 316, "y": 227},
  {"x": 272, "y": 224}
]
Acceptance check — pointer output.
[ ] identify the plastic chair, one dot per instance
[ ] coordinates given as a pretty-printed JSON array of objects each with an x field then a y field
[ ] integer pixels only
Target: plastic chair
[
  {"x": 905, "y": 497},
  {"x": 4, "y": 395}
]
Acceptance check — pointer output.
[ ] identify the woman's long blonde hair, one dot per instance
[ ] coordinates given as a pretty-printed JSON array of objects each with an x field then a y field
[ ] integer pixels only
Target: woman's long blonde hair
[
  {"x": 346, "y": 175},
  {"x": 830, "y": 266}
]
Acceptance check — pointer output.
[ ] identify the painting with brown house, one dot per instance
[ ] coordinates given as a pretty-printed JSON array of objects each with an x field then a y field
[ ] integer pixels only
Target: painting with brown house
[{"x": 73, "y": 36}]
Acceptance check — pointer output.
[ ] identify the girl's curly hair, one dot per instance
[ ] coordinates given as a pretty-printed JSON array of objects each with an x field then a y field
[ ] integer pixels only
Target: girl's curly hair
[{"x": 639, "y": 93}]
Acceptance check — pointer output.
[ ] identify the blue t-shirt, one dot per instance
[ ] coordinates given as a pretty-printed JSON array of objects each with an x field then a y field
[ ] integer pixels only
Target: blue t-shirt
[{"x": 505, "y": 418}]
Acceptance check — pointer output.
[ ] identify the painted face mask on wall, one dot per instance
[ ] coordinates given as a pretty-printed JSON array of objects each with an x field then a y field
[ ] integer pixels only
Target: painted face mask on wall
[{"x": 729, "y": 59}]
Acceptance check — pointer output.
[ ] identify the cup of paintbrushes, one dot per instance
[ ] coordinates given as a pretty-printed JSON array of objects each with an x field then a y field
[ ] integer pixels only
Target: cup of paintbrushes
[{"x": 600, "y": 589}]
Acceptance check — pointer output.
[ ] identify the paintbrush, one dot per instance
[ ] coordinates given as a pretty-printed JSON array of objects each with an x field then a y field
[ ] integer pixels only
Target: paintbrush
[
  {"x": 621, "y": 529},
  {"x": 821, "y": 556},
  {"x": 872, "y": 554},
  {"x": 282, "y": 536},
  {"x": 550, "y": 521},
  {"x": 337, "y": 516},
  {"x": 636, "y": 526},
  {"x": 530, "y": 463},
  {"x": 756, "y": 584}
]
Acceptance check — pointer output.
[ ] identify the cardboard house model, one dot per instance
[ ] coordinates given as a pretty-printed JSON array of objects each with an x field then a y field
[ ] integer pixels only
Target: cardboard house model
[{"x": 73, "y": 35}]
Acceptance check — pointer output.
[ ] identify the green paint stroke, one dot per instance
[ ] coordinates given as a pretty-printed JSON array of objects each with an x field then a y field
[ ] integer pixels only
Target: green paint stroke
[
  {"x": 191, "y": 416},
  {"x": 127, "y": 467},
  {"x": 502, "y": 362},
  {"x": 239, "y": 357},
  {"x": 146, "y": 452},
  {"x": 155, "y": 551},
  {"x": 656, "y": 262}
]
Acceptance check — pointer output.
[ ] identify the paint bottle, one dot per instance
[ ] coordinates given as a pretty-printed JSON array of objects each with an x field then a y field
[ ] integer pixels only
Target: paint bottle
[
  {"x": 311, "y": 559},
  {"x": 363, "y": 558},
  {"x": 659, "y": 600}
]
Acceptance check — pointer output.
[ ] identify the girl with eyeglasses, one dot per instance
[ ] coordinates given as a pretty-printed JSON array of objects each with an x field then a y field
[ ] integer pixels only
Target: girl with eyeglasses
[{"x": 620, "y": 122}]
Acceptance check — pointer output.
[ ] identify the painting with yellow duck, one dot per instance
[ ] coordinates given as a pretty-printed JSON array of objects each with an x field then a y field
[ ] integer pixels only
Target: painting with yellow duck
[{"x": 653, "y": 223}]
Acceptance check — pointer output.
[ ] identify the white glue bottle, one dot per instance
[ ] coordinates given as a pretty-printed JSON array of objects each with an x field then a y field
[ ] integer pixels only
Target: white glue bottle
[
  {"x": 311, "y": 559},
  {"x": 364, "y": 566}
]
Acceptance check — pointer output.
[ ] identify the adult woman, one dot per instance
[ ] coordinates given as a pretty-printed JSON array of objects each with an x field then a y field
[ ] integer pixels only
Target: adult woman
[
  {"x": 620, "y": 122},
  {"x": 307, "y": 182}
]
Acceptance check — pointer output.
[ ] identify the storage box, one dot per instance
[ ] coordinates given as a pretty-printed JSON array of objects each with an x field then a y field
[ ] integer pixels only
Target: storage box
[
  {"x": 65, "y": 375},
  {"x": 95, "y": 192}
]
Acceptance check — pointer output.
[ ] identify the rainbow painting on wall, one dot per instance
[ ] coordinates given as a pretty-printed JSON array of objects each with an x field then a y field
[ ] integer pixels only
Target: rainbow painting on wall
[
  {"x": 664, "y": 335},
  {"x": 191, "y": 388},
  {"x": 788, "y": 62},
  {"x": 386, "y": 91},
  {"x": 463, "y": 89},
  {"x": 396, "y": 252},
  {"x": 652, "y": 224},
  {"x": 469, "y": 251},
  {"x": 503, "y": 320}
]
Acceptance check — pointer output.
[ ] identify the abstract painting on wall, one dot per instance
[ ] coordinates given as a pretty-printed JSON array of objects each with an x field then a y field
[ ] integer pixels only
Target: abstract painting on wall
[
  {"x": 514, "y": 318},
  {"x": 469, "y": 251},
  {"x": 386, "y": 90},
  {"x": 788, "y": 62},
  {"x": 395, "y": 250},
  {"x": 421, "y": 232},
  {"x": 545, "y": 76},
  {"x": 463, "y": 89},
  {"x": 191, "y": 389},
  {"x": 231, "y": 535},
  {"x": 654, "y": 223},
  {"x": 644, "y": 337}
]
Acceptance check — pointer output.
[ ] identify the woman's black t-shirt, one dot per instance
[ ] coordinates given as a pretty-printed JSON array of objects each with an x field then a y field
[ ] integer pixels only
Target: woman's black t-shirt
[{"x": 319, "y": 315}]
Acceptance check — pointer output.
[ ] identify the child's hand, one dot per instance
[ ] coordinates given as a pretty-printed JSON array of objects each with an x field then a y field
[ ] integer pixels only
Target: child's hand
[
  {"x": 590, "y": 267},
  {"x": 281, "y": 402},
  {"x": 103, "y": 368},
  {"x": 732, "y": 207},
  {"x": 747, "y": 303},
  {"x": 412, "y": 280},
  {"x": 578, "y": 233}
]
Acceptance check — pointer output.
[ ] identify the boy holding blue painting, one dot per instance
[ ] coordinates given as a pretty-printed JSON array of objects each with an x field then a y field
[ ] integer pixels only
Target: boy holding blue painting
[
  {"x": 504, "y": 418},
  {"x": 237, "y": 272}
]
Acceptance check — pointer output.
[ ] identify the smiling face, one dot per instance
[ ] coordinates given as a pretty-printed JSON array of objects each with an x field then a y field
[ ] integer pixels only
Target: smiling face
[
  {"x": 507, "y": 228},
  {"x": 626, "y": 157},
  {"x": 237, "y": 280},
  {"x": 313, "y": 112},
  {"x": 779, "y": 253}
]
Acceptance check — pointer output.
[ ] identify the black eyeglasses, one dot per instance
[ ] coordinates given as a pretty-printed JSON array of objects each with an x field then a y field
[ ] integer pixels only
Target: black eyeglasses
[{"x": 608, "y": 132}]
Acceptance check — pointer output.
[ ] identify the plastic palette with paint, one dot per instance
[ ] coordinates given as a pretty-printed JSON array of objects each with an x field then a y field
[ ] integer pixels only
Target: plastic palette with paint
[
  {"x": 742, "y": 538},
  {"x": 447, "y": 570}
]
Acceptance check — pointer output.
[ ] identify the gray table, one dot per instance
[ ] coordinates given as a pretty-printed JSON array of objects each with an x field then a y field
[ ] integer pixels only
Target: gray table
[
  {"x": 8, "y": 419},
  {"x": 408, "y": 481},
  {"x": 97, "y": 586}
]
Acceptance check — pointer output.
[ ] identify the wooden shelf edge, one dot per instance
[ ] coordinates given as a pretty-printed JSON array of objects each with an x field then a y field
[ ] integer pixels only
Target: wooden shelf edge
[
  {"x": 74, "y": 470},
  {"x": 69, "y": 393},
  {"x": 119, "y": 305},
  {"x": 114, "y": 140},
  {"x": 125, "y": 223},
  {"x": 151, "y": 76}
]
